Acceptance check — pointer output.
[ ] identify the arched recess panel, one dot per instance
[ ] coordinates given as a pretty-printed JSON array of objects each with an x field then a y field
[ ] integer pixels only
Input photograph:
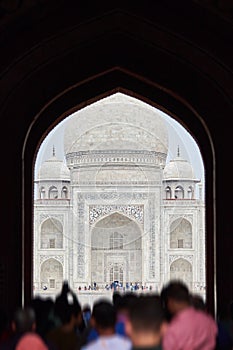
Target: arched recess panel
[
  {"x": 51, "y": 275},
  {"x": 181, "y": 269},
  {"x": 116, "y": 249},
  {"x": 51, "y": 234},
  {"x": 181, "y": 234}
]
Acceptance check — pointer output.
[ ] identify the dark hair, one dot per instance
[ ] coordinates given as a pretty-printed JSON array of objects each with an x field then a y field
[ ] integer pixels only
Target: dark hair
[
  {"x": 176, "y": 290},
  {"x": 146, "y": 313},
  {"x": 24, "y": 318},
  {"x": 104, "y": 314},
  {"x": 123, "y": 302}
]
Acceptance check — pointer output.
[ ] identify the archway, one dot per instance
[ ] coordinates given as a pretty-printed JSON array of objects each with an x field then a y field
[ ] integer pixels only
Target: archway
[
  {"x": 153, "y": 265},
  {"x": 51, "y": 275},
  {"x": 116, "y": 251},
  {"x": 181, "y": 234},
  {"x": 117, "y": 170},
  {"x": 181, "y": 269},
  {"x": 199, "y": 65},
  {"x": 51, "y": 235}
]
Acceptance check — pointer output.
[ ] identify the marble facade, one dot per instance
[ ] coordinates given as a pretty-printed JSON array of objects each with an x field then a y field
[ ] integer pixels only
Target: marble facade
[{"x": 117, "y": 210}]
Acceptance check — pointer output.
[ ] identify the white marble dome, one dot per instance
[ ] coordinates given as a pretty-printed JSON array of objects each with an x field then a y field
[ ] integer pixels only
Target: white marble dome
[
  {"x": 178, "y": 168},
  {"x": 118, "y": 122},
  {"x": 53, "y": 169}
]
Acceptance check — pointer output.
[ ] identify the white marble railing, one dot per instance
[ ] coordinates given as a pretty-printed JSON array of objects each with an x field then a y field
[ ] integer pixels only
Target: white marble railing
[
  {"x": 183, "y": 202},
  {"x": 52, "y": 202}
]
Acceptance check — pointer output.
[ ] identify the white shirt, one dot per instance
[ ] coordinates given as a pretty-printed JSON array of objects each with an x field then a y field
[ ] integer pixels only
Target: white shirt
[{"x": 111, "y": 342}]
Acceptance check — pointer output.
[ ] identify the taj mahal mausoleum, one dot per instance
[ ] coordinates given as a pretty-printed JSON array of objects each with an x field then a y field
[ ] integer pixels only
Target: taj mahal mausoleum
[{"x": 116, "y": 209}]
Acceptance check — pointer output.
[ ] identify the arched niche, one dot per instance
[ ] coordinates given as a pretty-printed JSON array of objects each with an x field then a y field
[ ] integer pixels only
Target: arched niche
[
  {"x": 181, "y": 269},
  {"x": 181, "y": 234},
  {"x": 116, "y": 249},
  {"x": 51, "y": 234},
  {"x": 51, "y": 275}
]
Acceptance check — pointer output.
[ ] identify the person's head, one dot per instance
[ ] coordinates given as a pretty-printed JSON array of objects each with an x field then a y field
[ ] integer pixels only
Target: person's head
[
  {"x": 43, "y": 308},
  {"x": 146, "y": 321},
  {"x": 104, "y": 317},
  {"x": 24, "y": 320},
  {"x": 175, "y": 296},
  {"x": 123, "y": 303}
]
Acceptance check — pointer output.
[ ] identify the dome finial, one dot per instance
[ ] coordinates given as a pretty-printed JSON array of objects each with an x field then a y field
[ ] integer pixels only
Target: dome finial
[
  {"x": 53, "y": 151},
  {"x": 178, "y": 151}
]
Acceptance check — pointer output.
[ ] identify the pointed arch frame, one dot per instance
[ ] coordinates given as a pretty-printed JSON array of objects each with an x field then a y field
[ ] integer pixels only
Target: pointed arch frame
[{"x": 89, "y": 91}]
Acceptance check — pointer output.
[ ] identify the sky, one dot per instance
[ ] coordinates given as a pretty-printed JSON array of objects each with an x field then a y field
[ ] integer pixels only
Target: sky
[{"x": 178, "y": 137}]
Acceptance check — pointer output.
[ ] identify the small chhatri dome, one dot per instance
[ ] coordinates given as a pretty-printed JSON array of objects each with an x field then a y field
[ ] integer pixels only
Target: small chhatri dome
[
  {"x": 178, "y": 168},
  {"x": 53, "y": 169}
]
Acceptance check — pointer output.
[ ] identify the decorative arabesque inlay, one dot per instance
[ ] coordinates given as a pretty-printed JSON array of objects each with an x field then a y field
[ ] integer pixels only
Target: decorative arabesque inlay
[
  {"x": 59, "y": 258},
  {"x": 172, "y": 258},
  {"x": 132, "y": 211},
  {"x": 52, "y": 216},
  {"x": 189, "y": 217}
]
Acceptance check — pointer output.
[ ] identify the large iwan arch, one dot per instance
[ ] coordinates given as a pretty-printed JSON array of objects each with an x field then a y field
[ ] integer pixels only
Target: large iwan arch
[{"x": 116, "y": 250}]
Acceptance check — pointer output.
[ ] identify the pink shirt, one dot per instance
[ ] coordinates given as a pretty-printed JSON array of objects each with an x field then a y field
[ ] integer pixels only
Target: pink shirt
[
  {"x": 31, "y": 341},
  {"x": 191, "y": 329}
]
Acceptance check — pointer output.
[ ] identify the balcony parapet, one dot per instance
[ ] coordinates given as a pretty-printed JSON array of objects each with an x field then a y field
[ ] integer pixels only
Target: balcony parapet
[
  {"x": 52, "y": 202},
  {"x": 181, "y": 202}
]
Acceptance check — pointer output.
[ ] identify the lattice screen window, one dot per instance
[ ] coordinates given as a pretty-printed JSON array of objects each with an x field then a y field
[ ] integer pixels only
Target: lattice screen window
[
  {"x": 180, "y": 243},
  {"x": 116, "y": 273},
  {"x": 52, "y": 283},
  {"x": 116, "y": 241},
  {"x": 52, "y": 243}
]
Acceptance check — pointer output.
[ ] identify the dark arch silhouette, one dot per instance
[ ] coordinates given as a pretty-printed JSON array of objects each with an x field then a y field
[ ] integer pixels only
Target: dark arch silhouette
[{"x": 60, "y": 58}]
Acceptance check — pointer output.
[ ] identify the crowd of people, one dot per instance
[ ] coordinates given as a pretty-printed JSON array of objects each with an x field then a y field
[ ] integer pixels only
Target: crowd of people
[
  {"x": 173, "y": 319},
  {"x": 114, "y": 286}
]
